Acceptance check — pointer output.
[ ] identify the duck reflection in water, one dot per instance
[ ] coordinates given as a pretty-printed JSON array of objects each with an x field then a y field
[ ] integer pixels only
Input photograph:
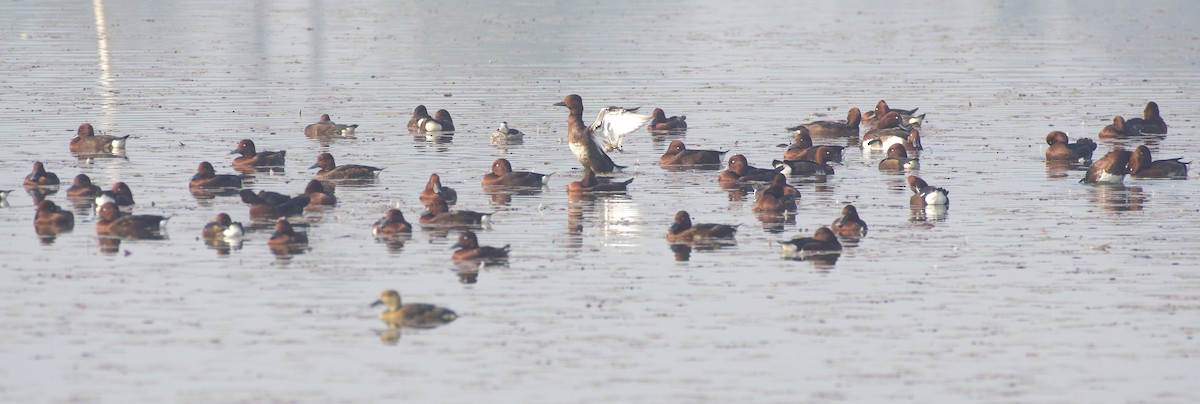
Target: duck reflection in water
[{"x": 1118, "y": 198}]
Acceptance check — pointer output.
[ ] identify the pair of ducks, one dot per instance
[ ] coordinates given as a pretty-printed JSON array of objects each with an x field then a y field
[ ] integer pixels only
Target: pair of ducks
[
  {"x": 266, "y": 204},
  {"x": 848, "y": 225},
  {"x": 285, "y": 237},
  {"x": 1114, "y": 166}
]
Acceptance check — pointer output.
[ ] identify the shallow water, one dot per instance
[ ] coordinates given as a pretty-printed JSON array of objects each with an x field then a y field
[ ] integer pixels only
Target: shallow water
[{"x": 1030, "y": 287}]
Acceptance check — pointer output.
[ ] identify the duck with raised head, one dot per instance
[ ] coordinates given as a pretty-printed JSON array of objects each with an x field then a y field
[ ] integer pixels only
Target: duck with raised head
[
  {"x": 222, "y": 226},
  {"x": 889, "y": 124},
  {"x": 898, "y": 160},
  {"x": 590, "y": 183},
  {"x": 331, "y": 171},
  {"x": 327, "y": 128},
  {"x": 659, "y": 122},
  {"x": 924, "y": 194},
  {"x": 1142, "y": 165},
  {"x": 206, "y": 177},
  {"x": 438, "y": 214},
  {"x": 86, "y": 141},
  {"x": 1110, "y": 169},
  {"x": 907, "y": 116},
  {"x": 847, "y": 128},
  {"x": 470, "y": 250},
  {"x": 417, "y": 315},
  {"x": 739, "y": 171},
  {"x": 391, "y": 224},
  {"x": 318, "y": 195},
  {"x": 775, "y": 198},
  {"x": 40, "y": 177},
  {"x": 679, "y": 156},
  {"x": 502, "y": 174},
  {"x": 434, "y": 190},
  {"x": 286, "y": 236},
  {"x": 610, "y": 126},
  {"x": 250, "y": 157},
  {"x": 113, "y": 223},
  {"x": 684, "y": 231},
  {"x": 802, "y": 148},
  {"x": 507, "y": 135},
  {"x": 82, "y": 187},
  {"x": 849, "y": 225},
  {"x": 420, "y": 112},
  {"x": 1151, "y": 121},
  {"x": 822, "y": 242},
  {"x": 1061, "y": 150}
]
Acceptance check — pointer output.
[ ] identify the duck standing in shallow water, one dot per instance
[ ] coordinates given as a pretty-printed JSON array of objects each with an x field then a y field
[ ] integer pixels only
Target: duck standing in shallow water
[
  {"x": 86, "y": 141},
  {"x": 610, "y": 126},
  {"x": 417, "y": 315},
  {"x": 1061, "y": 150},
  {"x": 326, "y": 128},
  {"x": 252, "y": 158},
  {"x": 1110, "y": 169},
  {"x": 331, "y": 171},
  {"x": 1141, "y": 165},
  {"x": 470, "y": 250}
]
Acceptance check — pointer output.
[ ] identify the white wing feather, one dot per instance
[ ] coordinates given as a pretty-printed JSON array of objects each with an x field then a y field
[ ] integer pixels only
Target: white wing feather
[{"x": 613, "y": 123}]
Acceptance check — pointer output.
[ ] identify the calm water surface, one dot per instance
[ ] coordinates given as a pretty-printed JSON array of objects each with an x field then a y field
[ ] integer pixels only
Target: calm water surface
[{"x": 1030, "y": 288}]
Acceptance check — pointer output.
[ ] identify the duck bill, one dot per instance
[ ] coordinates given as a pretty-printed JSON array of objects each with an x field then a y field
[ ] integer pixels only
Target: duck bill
[
  {"x": 376, "y": 303},
  {"x": 560, "y": 104},
  {"x": 456, "y": 245},
  {"x": 236, "y": 152},
  {"x": 314, "y": 166}
]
